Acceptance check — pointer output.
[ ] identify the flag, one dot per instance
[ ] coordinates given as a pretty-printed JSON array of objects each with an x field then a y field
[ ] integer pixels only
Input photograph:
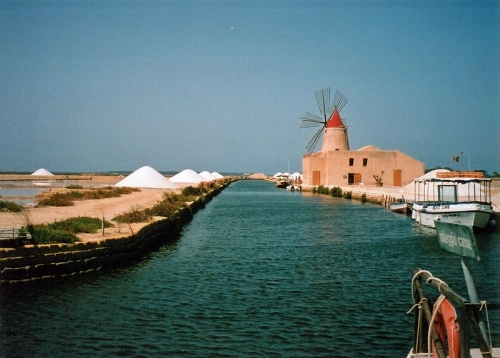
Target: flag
[{"x": 456, "y": 159}]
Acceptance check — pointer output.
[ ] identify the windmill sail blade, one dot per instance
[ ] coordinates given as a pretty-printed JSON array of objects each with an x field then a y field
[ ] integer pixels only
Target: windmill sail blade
[
  {"x": 311, "y": 120},
  {"x": 312, "y": 143},
  {"x": 326, "y": 110},
  {"x": 309, "y": 124},
  {"x": 339, "y": 102},
  {"x": 323, "y": 100}
]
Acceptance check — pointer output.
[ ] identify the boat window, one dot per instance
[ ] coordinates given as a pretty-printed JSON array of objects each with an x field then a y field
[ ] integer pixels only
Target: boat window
[{"x": 447, "y": 193}]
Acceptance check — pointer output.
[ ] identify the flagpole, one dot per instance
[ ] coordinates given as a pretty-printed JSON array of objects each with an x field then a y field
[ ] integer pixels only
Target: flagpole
[{"x": 461, "y": 160}]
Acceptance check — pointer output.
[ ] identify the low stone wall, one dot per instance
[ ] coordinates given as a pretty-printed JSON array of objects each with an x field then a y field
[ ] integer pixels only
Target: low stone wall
[
  {"x": 36, "y": 263},
  {"x": 371, "y": 196}
]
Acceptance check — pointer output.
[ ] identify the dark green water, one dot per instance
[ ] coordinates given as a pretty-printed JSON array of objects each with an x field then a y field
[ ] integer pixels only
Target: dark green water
[{"x": 259, "y": 272}]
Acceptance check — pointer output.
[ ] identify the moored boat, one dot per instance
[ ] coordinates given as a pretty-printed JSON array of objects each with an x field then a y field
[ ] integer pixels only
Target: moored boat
[
  {"x": 281, "y": 183},
  {"x": 465, "y": 201},
  {"x": 399, "y": 207}
]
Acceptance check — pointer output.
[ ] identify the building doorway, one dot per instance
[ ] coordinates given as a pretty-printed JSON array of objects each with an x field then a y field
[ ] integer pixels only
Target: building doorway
[
  {"x": 353, "y": 178},
  {"x": 398, "y": 175},
  {"x": 316, "y": 177}
]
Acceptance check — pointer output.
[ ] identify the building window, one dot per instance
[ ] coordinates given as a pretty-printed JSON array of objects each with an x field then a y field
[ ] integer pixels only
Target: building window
[
  {"x": 351, "y": 162},
  {"x": 365, "y": 162}
]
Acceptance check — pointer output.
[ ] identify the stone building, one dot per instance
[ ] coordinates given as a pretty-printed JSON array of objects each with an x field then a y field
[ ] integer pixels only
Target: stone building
[{"x": 337, "y": 165}]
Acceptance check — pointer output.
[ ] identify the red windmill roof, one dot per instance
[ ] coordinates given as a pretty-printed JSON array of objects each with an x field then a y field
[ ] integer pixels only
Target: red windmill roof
[{"x": 335, "y": 121}]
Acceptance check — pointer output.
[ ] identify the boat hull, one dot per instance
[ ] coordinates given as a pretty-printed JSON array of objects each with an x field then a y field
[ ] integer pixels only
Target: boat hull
[
  {"x": 469, "y": 214},
  {"x": 281, "y": 184},
  {"x": 399, "y": 208}
]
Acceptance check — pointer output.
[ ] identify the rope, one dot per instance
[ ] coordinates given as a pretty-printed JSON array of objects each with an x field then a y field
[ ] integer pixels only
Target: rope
[
  {"x": 485, "y": 305},
  {"x": 419, "y": 325},
  {"x": 441, "y": 282},
  {"x": 415, "y": 277}
]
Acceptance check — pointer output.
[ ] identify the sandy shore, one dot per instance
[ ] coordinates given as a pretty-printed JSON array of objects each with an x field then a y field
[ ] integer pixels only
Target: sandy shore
[{"x": 109, "y": 208}]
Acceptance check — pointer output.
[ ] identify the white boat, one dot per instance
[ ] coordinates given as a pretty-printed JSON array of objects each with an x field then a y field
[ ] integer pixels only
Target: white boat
[
  {"x": 465, "y": 201},
  {"x": 399, "y": 207}
]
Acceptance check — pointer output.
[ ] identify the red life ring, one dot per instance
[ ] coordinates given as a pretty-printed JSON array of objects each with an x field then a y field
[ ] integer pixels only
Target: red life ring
[{"x": 448, "y": 329}]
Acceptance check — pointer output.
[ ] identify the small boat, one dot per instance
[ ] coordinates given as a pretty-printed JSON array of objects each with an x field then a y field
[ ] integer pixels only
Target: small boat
[
  {"x": 465, "y": 201},
  {"x": 282, "y": 184},
  {"x": 399, "y": 207}
]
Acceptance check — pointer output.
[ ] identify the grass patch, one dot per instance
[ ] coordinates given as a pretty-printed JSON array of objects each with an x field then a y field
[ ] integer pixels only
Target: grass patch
[
  {"x": 81, "y": 224},
  {"x": 46, "y": 235},
  {"x": 57, "y": 199},
  {"x": 65, "y": 231},
  {"x": 10, "y": 206},
  {"x": 68, "y": 198},
  {"x": 192, "y": 191},
  {"x": 134, "y": 215}
]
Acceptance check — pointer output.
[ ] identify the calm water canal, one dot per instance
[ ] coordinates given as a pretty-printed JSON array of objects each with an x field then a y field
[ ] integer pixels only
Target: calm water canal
[{"x": 259, "y": 272}]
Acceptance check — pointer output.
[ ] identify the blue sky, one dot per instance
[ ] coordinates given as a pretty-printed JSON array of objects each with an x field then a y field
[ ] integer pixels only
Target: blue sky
[{"x": 92, "y": 86}]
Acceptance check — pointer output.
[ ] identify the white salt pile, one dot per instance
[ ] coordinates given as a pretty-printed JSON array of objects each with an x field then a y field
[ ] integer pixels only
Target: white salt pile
[
  {"x": 42, "y": 171},
  {"x": 187, "y": 176},
  {"x": 207, "y": 175},
  {"x": 217, "y": 175},
  {"x": 146, "y": 177}
]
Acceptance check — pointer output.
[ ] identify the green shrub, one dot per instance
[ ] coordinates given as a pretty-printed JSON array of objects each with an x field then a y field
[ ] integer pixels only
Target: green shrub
[
  {"x": 323, "y": 190},
  {"x": 347, "y": 195},
  {"x": 163, "y": 208},
  {"x": 46, "y": 235},
  {"x": 363, "y": 198},
  {"x": 80, "y": 224},
  {"x": 314, "y": 189},
  {"x": 75, "y": 195},
  {"x": 134, "y": 215},
  {"x": 336, "y": 192},
  {"x": 10, "y": 206},
  {"x": 191, "y": 191}
]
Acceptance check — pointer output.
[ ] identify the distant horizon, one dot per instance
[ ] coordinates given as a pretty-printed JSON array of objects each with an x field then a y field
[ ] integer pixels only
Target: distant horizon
[{"x": 173, "y": 172}]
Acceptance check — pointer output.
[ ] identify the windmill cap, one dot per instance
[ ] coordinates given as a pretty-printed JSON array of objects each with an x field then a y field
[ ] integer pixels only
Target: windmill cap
[{"x": 335, "y": 121}]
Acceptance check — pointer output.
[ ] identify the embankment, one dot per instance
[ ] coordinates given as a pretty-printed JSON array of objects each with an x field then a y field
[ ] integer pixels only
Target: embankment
[{"x": 37, "y": 263}]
